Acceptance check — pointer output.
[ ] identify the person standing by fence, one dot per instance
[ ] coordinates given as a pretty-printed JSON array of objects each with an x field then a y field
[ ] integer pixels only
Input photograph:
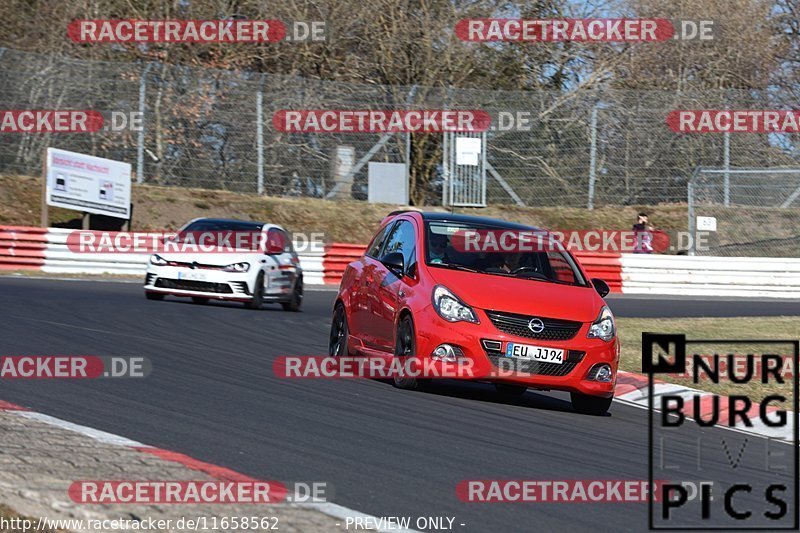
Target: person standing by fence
[{"x": 644, "y": 235}]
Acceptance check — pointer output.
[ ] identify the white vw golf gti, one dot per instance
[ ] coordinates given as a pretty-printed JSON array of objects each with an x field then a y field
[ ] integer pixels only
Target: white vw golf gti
[{"x": 267, "y": 273}]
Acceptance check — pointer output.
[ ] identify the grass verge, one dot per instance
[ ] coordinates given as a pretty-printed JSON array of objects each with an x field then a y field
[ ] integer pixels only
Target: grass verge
[
  {"x": 168, "y": 208},
  {"x": 781, "y": 328}
]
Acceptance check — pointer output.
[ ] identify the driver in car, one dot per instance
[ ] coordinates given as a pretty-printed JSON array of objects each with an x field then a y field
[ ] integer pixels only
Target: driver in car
[{"x": 438, "y": 248}]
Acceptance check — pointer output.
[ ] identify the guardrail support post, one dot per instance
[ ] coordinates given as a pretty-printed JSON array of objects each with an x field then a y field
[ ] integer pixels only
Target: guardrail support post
[
  {"x": 726, "y": 161},
  {"x": 260, "y": 135},
  {"x": 140, "y": 143},
  {"x": 592, "y": 157}
]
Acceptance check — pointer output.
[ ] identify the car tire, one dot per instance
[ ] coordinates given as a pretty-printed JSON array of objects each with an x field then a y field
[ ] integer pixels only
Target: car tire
[
  {"x": 153, "y": 295},
  {"x": 296, "y": 300},
  {"x": 508, "y": 390},
  {"x": 590, "y": 405},
  {"x": 258, "y": 293},
  {"x": 405, "y": 345},
  {"x": 200, "y": 300},
  {"x": 340, "y": 333}
]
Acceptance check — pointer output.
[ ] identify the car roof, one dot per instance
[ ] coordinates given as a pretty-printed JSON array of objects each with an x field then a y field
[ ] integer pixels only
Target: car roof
[
  {"x": 240, "y": 223},
  {"x": 438, "y": 216}
]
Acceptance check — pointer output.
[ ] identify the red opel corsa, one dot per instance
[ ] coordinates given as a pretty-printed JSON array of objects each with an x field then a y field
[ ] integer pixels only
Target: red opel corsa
[{"x": 534, "y": 313}]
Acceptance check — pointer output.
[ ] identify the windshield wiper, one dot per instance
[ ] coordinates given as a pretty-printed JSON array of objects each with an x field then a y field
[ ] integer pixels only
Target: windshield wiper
[{"x": 457, "y": 267}]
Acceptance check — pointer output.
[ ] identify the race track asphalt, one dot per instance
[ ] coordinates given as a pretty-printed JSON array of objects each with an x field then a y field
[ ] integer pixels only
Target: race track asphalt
[{"x": 386, "y": 452}]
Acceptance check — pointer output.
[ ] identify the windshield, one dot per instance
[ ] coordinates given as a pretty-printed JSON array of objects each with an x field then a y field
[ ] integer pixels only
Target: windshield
[
  {"x": 221, "y": 225},
  {"x": 444, "y": 248}
]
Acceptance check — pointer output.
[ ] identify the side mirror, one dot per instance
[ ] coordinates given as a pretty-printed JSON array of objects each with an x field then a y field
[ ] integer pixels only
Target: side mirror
[
  {"x": 601, "y": 287},
  {"x": 395, "y": 263}
]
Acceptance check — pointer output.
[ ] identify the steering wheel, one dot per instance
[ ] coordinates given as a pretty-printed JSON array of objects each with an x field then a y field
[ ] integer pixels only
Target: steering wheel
[{"x": 532, "y": 270}]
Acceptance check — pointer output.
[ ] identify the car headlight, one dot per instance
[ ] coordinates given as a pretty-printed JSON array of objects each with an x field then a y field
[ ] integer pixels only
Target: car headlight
[
  {"x": 157, "y": 260},
  {"x": 450, "y": 307},
  {"x": 603, "y": 328},
  {"x": 237, "y": 267}
]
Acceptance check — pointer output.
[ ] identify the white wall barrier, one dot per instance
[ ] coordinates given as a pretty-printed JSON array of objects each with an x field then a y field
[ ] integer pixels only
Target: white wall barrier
[
  {"x": 47, "y": 250},
  {"x": 710, "y": 276}
]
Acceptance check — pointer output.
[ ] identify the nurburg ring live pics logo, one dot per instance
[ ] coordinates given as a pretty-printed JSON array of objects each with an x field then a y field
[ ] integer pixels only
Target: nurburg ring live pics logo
[{"x": 728, "y": 457}]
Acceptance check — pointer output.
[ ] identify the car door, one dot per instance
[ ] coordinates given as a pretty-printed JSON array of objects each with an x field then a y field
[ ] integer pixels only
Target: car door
[
  {"x": 288, "y": 262},
  {"x": 389, "y": 287},
  {"x": 364, "y": 293},
  {"x": 276, "y": 279}
]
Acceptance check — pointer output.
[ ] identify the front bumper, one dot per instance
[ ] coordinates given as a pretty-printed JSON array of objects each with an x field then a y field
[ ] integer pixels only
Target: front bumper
[
  {"x": 484, "y": 346},
  {"x": 204, "y": 283}
]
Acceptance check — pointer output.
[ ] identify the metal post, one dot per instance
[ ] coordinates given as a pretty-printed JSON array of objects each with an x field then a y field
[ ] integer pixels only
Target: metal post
[
  {"x": 592, "y": 157},
  {"x": 409, "y": 100},
  {"x": 45, "y": 209},
  {"x": 408, "y": 166},
  {"x": 690, "y": 200},
  {"x": 726, "y": 164},
  {"x": 260, "y": 137},
  {"x": 446, "y": 197},
  {"x": 140, "y": 146}
]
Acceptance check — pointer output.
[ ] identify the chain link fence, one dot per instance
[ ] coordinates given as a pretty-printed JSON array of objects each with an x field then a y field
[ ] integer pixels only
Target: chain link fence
[
  {"x": 213, "y": 129},
  {"x": 757, "y": 211}
]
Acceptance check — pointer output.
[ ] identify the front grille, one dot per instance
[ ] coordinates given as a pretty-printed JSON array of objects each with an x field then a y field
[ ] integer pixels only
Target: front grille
[
  {"x": 192, "y": 285},
  {"x": 539, "y": 368},
  {"x": 195, "y": 264},
  {"x": 514, "y": 324}
]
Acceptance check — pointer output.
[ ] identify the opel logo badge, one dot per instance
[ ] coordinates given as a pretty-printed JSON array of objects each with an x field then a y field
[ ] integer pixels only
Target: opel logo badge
[{"x": 536, "y": 325}]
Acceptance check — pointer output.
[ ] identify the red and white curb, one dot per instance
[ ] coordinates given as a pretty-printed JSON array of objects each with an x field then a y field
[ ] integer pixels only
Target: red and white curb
[
  {"x": 217, "y": 472},
  {"x": 632, "y": 389}
]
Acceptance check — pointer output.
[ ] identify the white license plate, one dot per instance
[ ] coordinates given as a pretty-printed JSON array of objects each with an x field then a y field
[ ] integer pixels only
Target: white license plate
[
  {"x": 537, "y": 353},
  {"x": 191, "y": 274}
]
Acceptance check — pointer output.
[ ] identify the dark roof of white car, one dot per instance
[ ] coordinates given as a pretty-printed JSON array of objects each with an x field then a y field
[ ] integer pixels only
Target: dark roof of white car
[{"x": 239, "y": 223}]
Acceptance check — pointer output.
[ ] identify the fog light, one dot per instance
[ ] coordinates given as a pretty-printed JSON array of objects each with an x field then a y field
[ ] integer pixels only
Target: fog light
[
  {"x": 446, "y": 352},
  {"x": 601, "y": 373}
]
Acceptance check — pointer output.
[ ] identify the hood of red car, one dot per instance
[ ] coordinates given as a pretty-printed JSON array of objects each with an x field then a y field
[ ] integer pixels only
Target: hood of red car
[{"x": 523, "y": 296}]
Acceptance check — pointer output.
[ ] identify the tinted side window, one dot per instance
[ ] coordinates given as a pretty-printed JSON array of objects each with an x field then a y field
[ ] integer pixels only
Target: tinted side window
[
  {"x": 375, "y": 247},
  {"x": 402, "y": 240},
  {"x": 289, "y": 246},
  {"x": 278, "y": 238},
  {"x": 562, "y": 271}
]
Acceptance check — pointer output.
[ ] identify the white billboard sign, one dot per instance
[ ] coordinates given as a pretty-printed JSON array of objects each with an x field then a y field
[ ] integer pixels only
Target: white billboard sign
[
  {"x": 468, "y": 151},
  {"x": 87, "y": 183},
  {"x": 387, "y": 183}
]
